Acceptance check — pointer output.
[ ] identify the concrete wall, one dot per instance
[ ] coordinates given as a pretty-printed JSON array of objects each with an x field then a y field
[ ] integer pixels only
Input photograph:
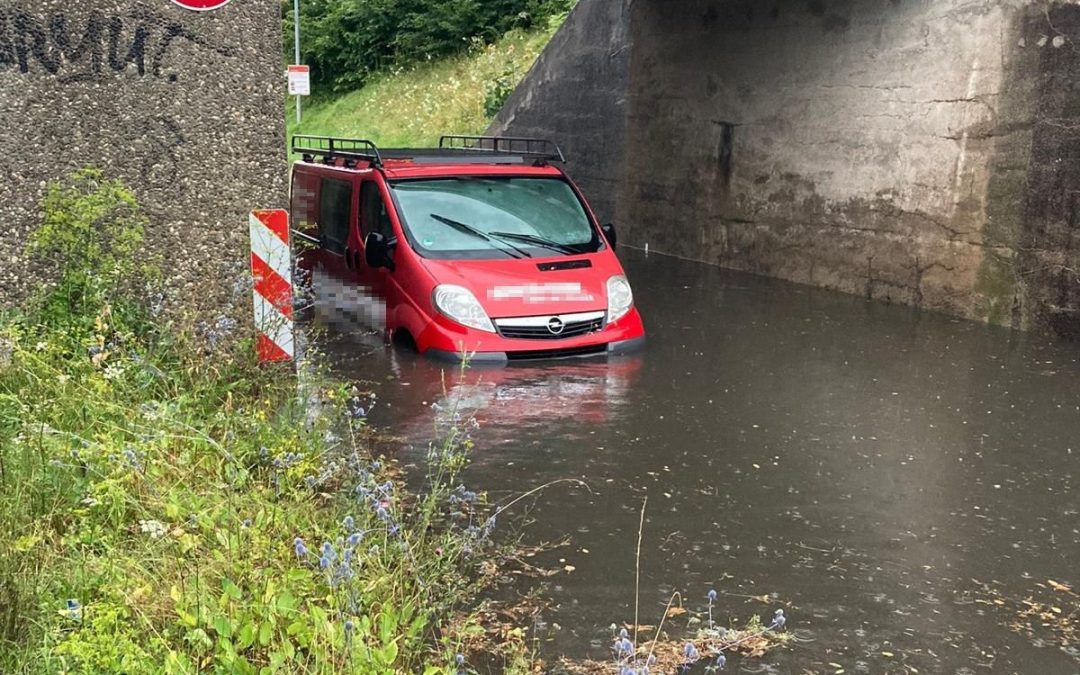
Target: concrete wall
[
  {"x": 186, "y": 107},
  {"x": 575, "y": 94},
  {"x": 917, "y": 152}
]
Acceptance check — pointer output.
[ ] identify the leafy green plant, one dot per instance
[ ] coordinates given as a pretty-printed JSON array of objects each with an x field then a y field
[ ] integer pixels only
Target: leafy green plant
[
  {"x": 91, "y": 230},
  {"x": 498, "y": 90},
  {"x": 156, "y": 503}
]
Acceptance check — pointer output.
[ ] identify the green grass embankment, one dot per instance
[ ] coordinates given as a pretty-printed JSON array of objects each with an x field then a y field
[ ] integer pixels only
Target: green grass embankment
[{"x": 411, "y": 108}]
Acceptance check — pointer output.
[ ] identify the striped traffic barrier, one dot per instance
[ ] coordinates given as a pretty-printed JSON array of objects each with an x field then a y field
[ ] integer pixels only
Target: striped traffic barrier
[{"x": 271, "y": 270}]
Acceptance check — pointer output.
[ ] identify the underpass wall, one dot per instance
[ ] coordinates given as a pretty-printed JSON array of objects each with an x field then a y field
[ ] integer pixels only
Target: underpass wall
[
  {"x": 915, "y": 152},
  {"x": 186, "y": 107},
  {"x": 575, "y": 94}
]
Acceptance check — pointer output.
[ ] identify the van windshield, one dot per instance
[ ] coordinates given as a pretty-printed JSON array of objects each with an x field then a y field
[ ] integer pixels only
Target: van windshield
[{"x": 494, "y": 217}]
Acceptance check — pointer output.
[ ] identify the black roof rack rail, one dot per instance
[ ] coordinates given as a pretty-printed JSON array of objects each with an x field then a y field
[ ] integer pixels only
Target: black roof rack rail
[
  {"x": 537, "y": 148},
  {"x": 478, "y": 149},
  {"x": 331, "y": 148}
]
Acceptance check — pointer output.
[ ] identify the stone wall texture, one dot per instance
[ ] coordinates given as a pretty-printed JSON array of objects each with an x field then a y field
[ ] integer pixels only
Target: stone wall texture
[
  {"x": 576, "y": 93},
  {"x": 186, "y": 107},
  {"x": 918, "y": 152}
]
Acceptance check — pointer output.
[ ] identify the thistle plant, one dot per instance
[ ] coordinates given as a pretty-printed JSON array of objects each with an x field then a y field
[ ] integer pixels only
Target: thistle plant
[{"x": 712, "y": 598}]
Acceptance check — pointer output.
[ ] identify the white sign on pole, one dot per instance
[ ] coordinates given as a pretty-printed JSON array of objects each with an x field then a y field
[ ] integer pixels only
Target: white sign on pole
[{"x": 299, "y": 81}]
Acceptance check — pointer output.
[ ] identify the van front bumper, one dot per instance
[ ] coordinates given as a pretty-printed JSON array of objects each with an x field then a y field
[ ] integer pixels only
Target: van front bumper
[
  {"x": 621, "y": 347},
  {"x": 625, "y": 336}
]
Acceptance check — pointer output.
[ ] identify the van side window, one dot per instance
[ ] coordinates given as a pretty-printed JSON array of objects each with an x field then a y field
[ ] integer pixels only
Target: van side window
[
  {"x": 375, "y": 217},
  {"x": 304, "y": 207},
  {"x": 334, "y": 210}
]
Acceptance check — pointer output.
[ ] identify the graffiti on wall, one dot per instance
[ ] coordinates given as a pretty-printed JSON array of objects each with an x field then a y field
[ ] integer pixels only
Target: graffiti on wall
[{"x": 60, "y": 44}]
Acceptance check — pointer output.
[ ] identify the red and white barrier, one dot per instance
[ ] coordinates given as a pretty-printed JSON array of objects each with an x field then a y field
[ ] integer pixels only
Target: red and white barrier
[{"x": 271, "y": 269}]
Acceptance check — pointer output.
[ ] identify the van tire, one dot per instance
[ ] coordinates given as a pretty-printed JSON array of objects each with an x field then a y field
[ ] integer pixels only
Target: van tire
[{"x": 404, "y": 339}]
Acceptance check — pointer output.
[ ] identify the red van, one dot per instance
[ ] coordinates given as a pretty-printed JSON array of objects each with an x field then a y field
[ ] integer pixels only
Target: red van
[{"x": 480, "y": 247}]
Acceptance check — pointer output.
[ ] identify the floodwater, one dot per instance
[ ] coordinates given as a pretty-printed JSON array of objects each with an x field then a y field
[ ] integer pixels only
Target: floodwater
[{"x": 899, "y": 482}]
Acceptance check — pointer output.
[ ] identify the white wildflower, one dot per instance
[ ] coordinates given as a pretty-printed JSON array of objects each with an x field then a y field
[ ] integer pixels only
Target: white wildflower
[
  {"x": 154, "y": 528},
  {"x": 113, "y": 372}
]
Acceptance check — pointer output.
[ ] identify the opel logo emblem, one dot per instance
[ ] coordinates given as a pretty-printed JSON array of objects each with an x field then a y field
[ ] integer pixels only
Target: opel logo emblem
[{"x": 555, "y": 325}]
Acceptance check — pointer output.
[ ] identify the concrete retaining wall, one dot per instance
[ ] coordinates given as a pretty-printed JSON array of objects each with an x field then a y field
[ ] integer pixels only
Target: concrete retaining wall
[
  {"x": 576, "y": 95},
  {"x": 915, "y": 152},
  {"x": 186, "y": 107}
]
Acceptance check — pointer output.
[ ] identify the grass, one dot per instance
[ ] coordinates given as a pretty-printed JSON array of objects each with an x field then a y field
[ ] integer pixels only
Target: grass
[
  {"x": 168, "y": 505},
  {"x": 410, "y": 108}
]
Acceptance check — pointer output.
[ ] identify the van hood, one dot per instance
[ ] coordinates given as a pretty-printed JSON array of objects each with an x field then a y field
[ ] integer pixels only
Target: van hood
[{"x": 532, "y": 286}]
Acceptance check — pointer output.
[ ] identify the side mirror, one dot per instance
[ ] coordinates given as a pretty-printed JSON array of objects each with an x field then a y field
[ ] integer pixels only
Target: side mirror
[
  {"x": 378, "y": 252},
  {"x": 609, "y": 232}
]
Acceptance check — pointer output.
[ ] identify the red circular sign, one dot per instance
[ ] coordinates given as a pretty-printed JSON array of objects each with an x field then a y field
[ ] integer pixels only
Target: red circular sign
[{"x": 201, "y": 5}]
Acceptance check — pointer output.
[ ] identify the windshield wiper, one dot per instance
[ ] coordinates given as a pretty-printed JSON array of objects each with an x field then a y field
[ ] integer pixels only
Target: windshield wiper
[
  {"x": 537, "y": 241},
  {"x": 469, "y": 229}
]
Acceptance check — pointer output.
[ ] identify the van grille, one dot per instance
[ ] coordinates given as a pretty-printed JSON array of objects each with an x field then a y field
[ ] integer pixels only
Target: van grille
[
  {"x": 558, "y": 327},
  {"x": 531, "y": 355}
]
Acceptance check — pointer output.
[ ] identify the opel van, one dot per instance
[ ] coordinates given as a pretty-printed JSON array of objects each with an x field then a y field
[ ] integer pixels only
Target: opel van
[{"x": 482, "y": 247}]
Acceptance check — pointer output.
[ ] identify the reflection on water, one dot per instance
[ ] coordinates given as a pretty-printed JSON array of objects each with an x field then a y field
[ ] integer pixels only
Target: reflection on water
[{"x": 869, "y": 468}]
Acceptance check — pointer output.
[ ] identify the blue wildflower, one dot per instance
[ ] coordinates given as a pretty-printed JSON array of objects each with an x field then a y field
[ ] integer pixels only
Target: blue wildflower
[
  {"x": 459, "y": 659},
  {"x": 690, "y": 652},
  {"x": 73, "y": 609},
  {"x": 132, "y": 459},
  {"x": 712, "y": 598},
  {"x": 309, "y": 481},
  {"x": 382, "y": 514},
  {"x": 348, "y": 522},
  {"x": 624, "y": 633},
  {"x": 301, "y": 549},
  {"x": 778, "y": 619},
  {"x": 328, "y": 550},
  {"x": 354, "y": 538},
  {"x": 355, "y": 410},
  {"x": 721, "y": 661},
  {"x": 324, "y": 562}
]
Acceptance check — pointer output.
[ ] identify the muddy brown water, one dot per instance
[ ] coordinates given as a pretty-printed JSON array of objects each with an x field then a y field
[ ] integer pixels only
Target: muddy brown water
[{"x": 899, "y": 482}]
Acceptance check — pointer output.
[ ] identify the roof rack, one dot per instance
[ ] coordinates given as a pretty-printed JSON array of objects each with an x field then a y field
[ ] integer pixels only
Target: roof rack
[
  {"x": 538, "y": 148},
  {"x": 451, "y": 150},
  {"x": 331, "y": 148}
]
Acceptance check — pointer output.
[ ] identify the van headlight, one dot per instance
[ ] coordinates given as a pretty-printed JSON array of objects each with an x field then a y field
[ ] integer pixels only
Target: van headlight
[
  {"x": 619, "y": 297},
  {"x": 461, "y": 305}
]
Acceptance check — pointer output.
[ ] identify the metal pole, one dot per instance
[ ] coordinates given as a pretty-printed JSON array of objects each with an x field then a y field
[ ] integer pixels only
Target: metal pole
[{"x": 296, "y": 33}]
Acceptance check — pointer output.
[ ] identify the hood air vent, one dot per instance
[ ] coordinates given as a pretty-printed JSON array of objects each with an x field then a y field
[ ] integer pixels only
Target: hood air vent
[{"x": 568, "y": 265}]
